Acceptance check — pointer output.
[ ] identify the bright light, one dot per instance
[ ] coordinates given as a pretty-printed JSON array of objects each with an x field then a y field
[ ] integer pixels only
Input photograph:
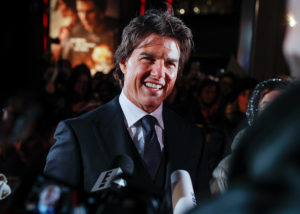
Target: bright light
[
  {"x": 196, "y": 10},
  {"x": 182, "y": 11},
  {"x": 291, "y": 20}
]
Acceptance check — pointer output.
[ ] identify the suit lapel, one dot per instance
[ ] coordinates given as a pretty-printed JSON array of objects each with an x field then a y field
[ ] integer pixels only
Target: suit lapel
[
  {"x": 114, "y": 137},
  {"x": 171, "y": 136},
  {"x": 171, "y": 140}
]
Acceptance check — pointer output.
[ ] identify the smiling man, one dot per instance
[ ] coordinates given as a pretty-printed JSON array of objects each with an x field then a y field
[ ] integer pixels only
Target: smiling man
[{"x": 153, "y": 51}]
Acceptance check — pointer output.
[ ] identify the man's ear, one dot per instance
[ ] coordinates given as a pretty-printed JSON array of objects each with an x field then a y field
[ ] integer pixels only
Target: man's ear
[{"x": 123, "y": 66}]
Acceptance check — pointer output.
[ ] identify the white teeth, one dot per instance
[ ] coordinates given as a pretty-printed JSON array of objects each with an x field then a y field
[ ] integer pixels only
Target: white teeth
[{"x": 153, "y": 86}]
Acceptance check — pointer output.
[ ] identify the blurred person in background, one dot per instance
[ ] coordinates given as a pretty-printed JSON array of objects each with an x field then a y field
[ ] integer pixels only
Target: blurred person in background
[
  {"x": 104, "y": 87},
  {"x": 244, "y": 89},
  {"x": 231, "y": 119},
  {"x": 227, "y": 83},
  {"x": 264, "y": 94},
  {"x": 53, "y": 89},
  {"x": 222, "y": 135},
  {"x": 79, "y": 92},
  {"x": 24, "y": 137},
  {"x": 205, "y": 109}
]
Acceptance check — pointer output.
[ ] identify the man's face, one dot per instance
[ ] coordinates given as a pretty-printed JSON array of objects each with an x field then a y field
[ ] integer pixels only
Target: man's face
[
  {"x": 151, "y": 71},
  {"x": 292, "y": 38},
  {"x": 88, "y": 14}
]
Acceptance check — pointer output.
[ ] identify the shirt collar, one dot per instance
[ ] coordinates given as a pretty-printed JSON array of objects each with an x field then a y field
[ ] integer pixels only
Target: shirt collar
[{"x": 133, "y": 113}]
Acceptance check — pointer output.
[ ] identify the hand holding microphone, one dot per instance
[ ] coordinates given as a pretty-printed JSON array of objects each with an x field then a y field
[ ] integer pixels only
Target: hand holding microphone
[{"x": 183, "y": 197}]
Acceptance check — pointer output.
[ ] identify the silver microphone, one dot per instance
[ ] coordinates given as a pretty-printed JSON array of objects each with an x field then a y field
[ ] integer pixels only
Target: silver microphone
[{"x": 183, "y": 197}]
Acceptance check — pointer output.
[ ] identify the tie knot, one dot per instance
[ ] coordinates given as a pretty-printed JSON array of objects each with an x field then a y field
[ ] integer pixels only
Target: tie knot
[{"x": 148, "y": 122}]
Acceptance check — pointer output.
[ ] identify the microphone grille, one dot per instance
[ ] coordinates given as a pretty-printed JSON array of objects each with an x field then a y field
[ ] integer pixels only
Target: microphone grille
[{"x": 125, "y": 163}]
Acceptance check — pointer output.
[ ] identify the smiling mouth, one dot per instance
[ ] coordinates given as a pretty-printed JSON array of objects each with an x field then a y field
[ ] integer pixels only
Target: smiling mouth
[{"x": 153, "y": 86}]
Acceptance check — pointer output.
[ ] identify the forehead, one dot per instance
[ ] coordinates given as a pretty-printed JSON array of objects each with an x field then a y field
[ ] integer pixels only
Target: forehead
[
  {"x": 85, "y": 4},
  {"x": 160, "y": 43}
]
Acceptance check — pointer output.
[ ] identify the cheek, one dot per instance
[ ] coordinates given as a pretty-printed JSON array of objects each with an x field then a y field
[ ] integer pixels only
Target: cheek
[
  {"x": 171, "y": 77},
  {"x": 139, "y": 73},
  {"x": 170, "y": 84},
  {"x": 132, "y": 79}
]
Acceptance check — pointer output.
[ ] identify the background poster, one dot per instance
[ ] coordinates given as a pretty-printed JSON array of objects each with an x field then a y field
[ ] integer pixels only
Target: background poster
[{"x": 85, "y": 31}]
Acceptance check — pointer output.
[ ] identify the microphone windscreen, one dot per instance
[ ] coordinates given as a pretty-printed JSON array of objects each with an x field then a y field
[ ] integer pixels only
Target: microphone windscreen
[
  {"x": 183, "y": 197},
  {"x": 124, "y": 162}
]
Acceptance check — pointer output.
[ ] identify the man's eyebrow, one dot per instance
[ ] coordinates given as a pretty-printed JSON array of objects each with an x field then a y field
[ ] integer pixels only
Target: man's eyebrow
[
  {"x": 155, "y": 55},
  {"x": 148, "y": 54},
  {"x": 173, "y": 60}
]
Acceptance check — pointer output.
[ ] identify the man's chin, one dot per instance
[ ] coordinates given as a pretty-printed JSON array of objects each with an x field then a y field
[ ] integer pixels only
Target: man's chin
[{"x": 150, "y": 106}]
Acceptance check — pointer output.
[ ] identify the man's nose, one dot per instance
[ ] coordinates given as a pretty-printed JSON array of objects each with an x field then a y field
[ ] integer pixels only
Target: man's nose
[
  {"x": 84, "y": 15},
  {"x": 158, "y": 70}
]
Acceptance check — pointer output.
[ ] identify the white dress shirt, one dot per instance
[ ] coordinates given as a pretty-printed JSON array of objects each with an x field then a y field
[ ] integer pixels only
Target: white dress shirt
[{"x": 133, "y": 114}]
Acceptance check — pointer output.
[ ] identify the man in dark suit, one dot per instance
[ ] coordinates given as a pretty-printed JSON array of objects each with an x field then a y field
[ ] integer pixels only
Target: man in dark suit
[{"x": 153, "y": 50}]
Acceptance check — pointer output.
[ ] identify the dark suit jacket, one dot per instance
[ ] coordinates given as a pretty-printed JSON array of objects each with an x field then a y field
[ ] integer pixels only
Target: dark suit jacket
[{"x": 86, "y": 146}]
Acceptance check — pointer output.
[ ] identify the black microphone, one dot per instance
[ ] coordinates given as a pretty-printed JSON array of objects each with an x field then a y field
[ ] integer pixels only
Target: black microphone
[
  {"x": 111, "y": 179},
  {"x": 125, "y": 163},
  {"x": 119, "y": 190}
]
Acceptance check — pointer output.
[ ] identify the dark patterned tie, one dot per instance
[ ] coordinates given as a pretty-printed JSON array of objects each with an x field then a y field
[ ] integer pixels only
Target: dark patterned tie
[{"x": 152, "y": 152}]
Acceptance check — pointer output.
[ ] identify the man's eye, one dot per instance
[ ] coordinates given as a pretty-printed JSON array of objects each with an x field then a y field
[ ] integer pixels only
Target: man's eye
[{"x": 171, "y": 64}]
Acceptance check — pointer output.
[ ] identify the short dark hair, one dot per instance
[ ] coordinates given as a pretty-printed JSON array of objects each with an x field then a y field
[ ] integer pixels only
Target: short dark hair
[{"x": 157, "y": 22}]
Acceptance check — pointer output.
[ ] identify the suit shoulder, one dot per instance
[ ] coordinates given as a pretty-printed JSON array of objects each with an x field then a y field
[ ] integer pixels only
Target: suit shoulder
[
  {"x": 182, "y": 123},
  {"x": 105, "y": 111}
]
